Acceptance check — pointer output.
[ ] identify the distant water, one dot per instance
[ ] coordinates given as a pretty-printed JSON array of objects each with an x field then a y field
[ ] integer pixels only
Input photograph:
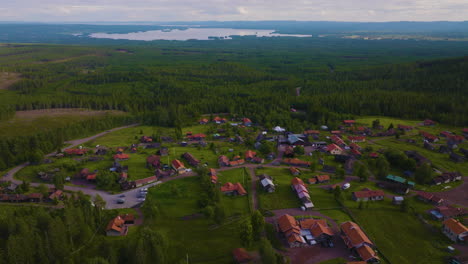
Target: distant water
[{"x": 193, "y": 33}]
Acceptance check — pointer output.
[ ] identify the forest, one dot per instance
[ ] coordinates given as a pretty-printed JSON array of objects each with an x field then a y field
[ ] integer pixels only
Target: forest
[{"x": 169, "y": 84}]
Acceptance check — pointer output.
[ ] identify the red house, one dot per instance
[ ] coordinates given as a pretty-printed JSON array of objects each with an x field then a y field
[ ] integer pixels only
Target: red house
[{"x": 349, "y": 122}]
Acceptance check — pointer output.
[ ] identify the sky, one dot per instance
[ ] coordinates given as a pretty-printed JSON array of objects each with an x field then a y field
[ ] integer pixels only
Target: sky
[{"x": 228, "y": 10}]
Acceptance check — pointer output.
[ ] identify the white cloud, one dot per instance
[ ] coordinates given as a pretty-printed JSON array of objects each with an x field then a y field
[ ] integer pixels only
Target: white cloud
[{"x": 196, "y": 10}]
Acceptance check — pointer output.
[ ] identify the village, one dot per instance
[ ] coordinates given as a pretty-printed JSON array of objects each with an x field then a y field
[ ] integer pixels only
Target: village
[{"x": 327, "y": 192}]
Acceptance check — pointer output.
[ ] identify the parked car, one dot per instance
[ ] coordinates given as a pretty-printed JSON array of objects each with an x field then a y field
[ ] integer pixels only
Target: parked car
[
  {"x": 141, "y": 199},
  {"x": 120, "y": 201},
  {"x": 122, "y": 195}
]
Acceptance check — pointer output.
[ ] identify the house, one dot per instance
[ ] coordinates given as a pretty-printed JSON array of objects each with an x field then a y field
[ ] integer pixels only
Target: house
[
  {"x": 456, "y": 158},
  {"x": 429, "y": 122},
  {"x": 153, "y": 161},
  {"x": 267, "y": 183},
  {"x": 428, "y": 136},
  {"x": 120, "y": 157},
  {"x": 334, "y": 149},
  {"x": 191, "y": 159},
  {"x": 163, "y": 173},
  {"x": 315, "y": 230},
  {"x": 358, "y": 242},
  {"x": 404, "y": 128},
  {"x": 77, "y": 152},
  {"x": 397, "y": 200},
  {"x": 288, "y": 151},
  {"x": 213, "y": 176},
  {"x": 246, "y": 121},
  {"x": 141, "y": 182},
  {"x": 394, "y": 187},
  {"x": 296, "y": 162},
  {"x": 57, "y": 194},
  {"x": 164, "y": 151},
  {"x": 219, "y": 120},
  {"x": 203, "y": 121},
  {"x": 322, "y": 178},
  {"x": 35, "y": 197},
  {"x": 289, "y": 227},
  {"x": 455, "y": 230},
  {"x": 337, "y": 140},
  {"x": 101, "y": 150},
  {"x": 356, "y": 153},
  {"x": 196, "y": 137},
  {"x": 146, "y": 139},
  {"x": 368, "y": 195},
  {"x": 296, "y": 140},
  {"x": 249, "y": 155},
  {"x": 91, "y": 176},
  {"x": 152, "y": 145},
  {"x": 349, "y": 122},
  {"x": 233, "y": 189},
  {"x": 447, "y": 177},
  {"x": 355, "y": 146},
  {"x": 445, "y": 134},
  {"x": 429, "y": 197},
  {"x": 355, "y": 139},
  {"x": 223, "y": 161},
  {"x": 319, "y": 144},
  {"x": 129, "y": 219},
  {"x": 116, "y": 227},
  {"x": 123, "y": 176},
  {"x": 443, "y": 212},
  {"x": 294, "y": 171},
  {"x": 335, "y": 132},
  {"x": 420, "y": 159},
  {"x": 241, "y": 255},
  {"x": 456, "y": 138},
  {"x": 178, "y": 166},
  {"x": 236, "y": 162},
  {"x": 298, "y": 186}
]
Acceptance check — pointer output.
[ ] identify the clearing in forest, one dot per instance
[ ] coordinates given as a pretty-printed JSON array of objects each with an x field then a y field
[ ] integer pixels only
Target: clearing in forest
[{"x": 7, "y": 79}]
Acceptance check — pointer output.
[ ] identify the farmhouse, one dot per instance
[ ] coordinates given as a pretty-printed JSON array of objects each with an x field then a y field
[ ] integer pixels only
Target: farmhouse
[
  {"x": 223, "y": 161},
  {"x": 334, "y": 149},
  {"x": 122, "y": 156},
  {"x": 219, "y": 120},
  {"x": 178, "y": 166},
  {"x": 349, "y": 122},
  {"x": 117, "y": 227},
  {"x": 153, "y": 161},
  {"x": 358, "y": 242},
  {"x": 77, "y": 152},
  {"x": 355, "y": 139},
  {"x": 447, "y": 177},
  {"x": 294, "y": 171},
  {"x": 368, "y": 195},
  {"x": 191, "y": 159},
  {"x": 56, "y": 194},
  {"x": 233, "y": 189},
  {"x": 394, "y": 187},
  {"x": 405, "y": 128},
  {"x": 213, "y": 176},
  {"x": 429, "y": 198},
  {"x": 267, "y": 183},
  {"x": 296, "y": 140},
  {"x": 420, "y": 159},
  {"x": 446, "y": 212},
  {"x": 299, "y": 188},
  {"x": 203, "y": 121},
  {"x": 141, "y": 182},
  {"x": 322, "y": 178},
  {"x": 304, "y": 232},
  {"x": 146, "y": 139},
  {"x": 337, "y": 140},
  {"x": 455, "y": 230},
  {"x": 428, "y": 136}
]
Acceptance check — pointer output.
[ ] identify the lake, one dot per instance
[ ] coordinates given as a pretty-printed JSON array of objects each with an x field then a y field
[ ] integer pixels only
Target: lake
[{"x": 193, "y": 33}]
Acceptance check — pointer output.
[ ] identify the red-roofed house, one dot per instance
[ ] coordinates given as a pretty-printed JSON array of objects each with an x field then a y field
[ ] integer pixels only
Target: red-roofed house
[
  {"x": 296, "y": 162},
  {"x": 178, "y": 166},
  {"x": 455, "y": 230},
  {"x": 233, "y": 189},
  {"x": 203, "y": 121},
  {"x": 146, "y": 139},
  {"x": 336, "y": 132},
  {"x": 153, "y": 161},
  {"x": 358, "y": 242},
  {"x": 405, "y": 128},
  {"x": 141, "y": 182},
  {"x": 249, "y": 155},
  {"x": 349, "y": 122},
  {"x": 368, "y": 195},
  {"x": 334, "y": 149},
  {"x": 116, "y": 227},
  {"x": 223, "y": 161},
  {"x": 246, "y": 121},
  {"x": 78, "y": 152},
  {"x": 429, "y": 122},
  {"x": 213, "y": 176},
  {"x": 355, "y": 139},
  {"x": 428, "y": 136},
  {"x": 322, "y": 178},
  {"x": 294, "y": 171},
  {"x": 191, "y": 159},
  {"x": 122, "y": 156},
  {"x": 311, "y": 132}
]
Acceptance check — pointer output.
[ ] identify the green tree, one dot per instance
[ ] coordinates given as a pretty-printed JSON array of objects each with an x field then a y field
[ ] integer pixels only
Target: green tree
[
  {"x": 268, "y": 252},
  {"x": 340, "y": 172},
  {"x": 219, "y": 214},
  {"x": 299, "y": 150},
  {"x": 246, "y": 232},
  {"x": 383, "y": 167},
  {"x": 258, "y": 224},
  {"x": 337, "y": 193},
  {"x": 423, "y": 174}
]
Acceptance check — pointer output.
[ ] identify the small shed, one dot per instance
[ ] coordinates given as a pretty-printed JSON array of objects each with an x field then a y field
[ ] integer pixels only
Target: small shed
[{"x": 398, "y": 200}]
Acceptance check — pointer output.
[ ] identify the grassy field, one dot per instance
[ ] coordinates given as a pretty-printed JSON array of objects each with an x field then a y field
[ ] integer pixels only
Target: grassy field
[
  {"x": 400, "y": 236},
  {"x": 236, "y": 204},
  {"x": 283, "y": 197},
  {"x": 199, "y": 238},
  {"x": 29, "y": 122}
]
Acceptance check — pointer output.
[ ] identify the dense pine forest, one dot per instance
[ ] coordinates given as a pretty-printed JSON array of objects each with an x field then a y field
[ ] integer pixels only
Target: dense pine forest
[{"x": 167, "y": 84}]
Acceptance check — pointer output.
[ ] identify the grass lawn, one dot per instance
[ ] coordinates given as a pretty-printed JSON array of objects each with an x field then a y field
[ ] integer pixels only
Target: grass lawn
[
  {"x": 236, "y": 204},
  {"x": 283, "y": 197},
  {"x": 196, "y": 238},
  {"x": 321, "y": 198},
  {"x": 337, "y": 214},
  {"x": 400, "y": 236}
]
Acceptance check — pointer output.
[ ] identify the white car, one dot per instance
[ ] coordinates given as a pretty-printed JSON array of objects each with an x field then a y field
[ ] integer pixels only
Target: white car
[
  {"x": 141, "y": 199},
  {"x": 144, "y": 190}
]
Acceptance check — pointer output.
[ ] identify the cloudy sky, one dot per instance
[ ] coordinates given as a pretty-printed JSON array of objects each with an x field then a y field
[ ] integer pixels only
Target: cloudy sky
[{"x": 224, "y": 10}]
